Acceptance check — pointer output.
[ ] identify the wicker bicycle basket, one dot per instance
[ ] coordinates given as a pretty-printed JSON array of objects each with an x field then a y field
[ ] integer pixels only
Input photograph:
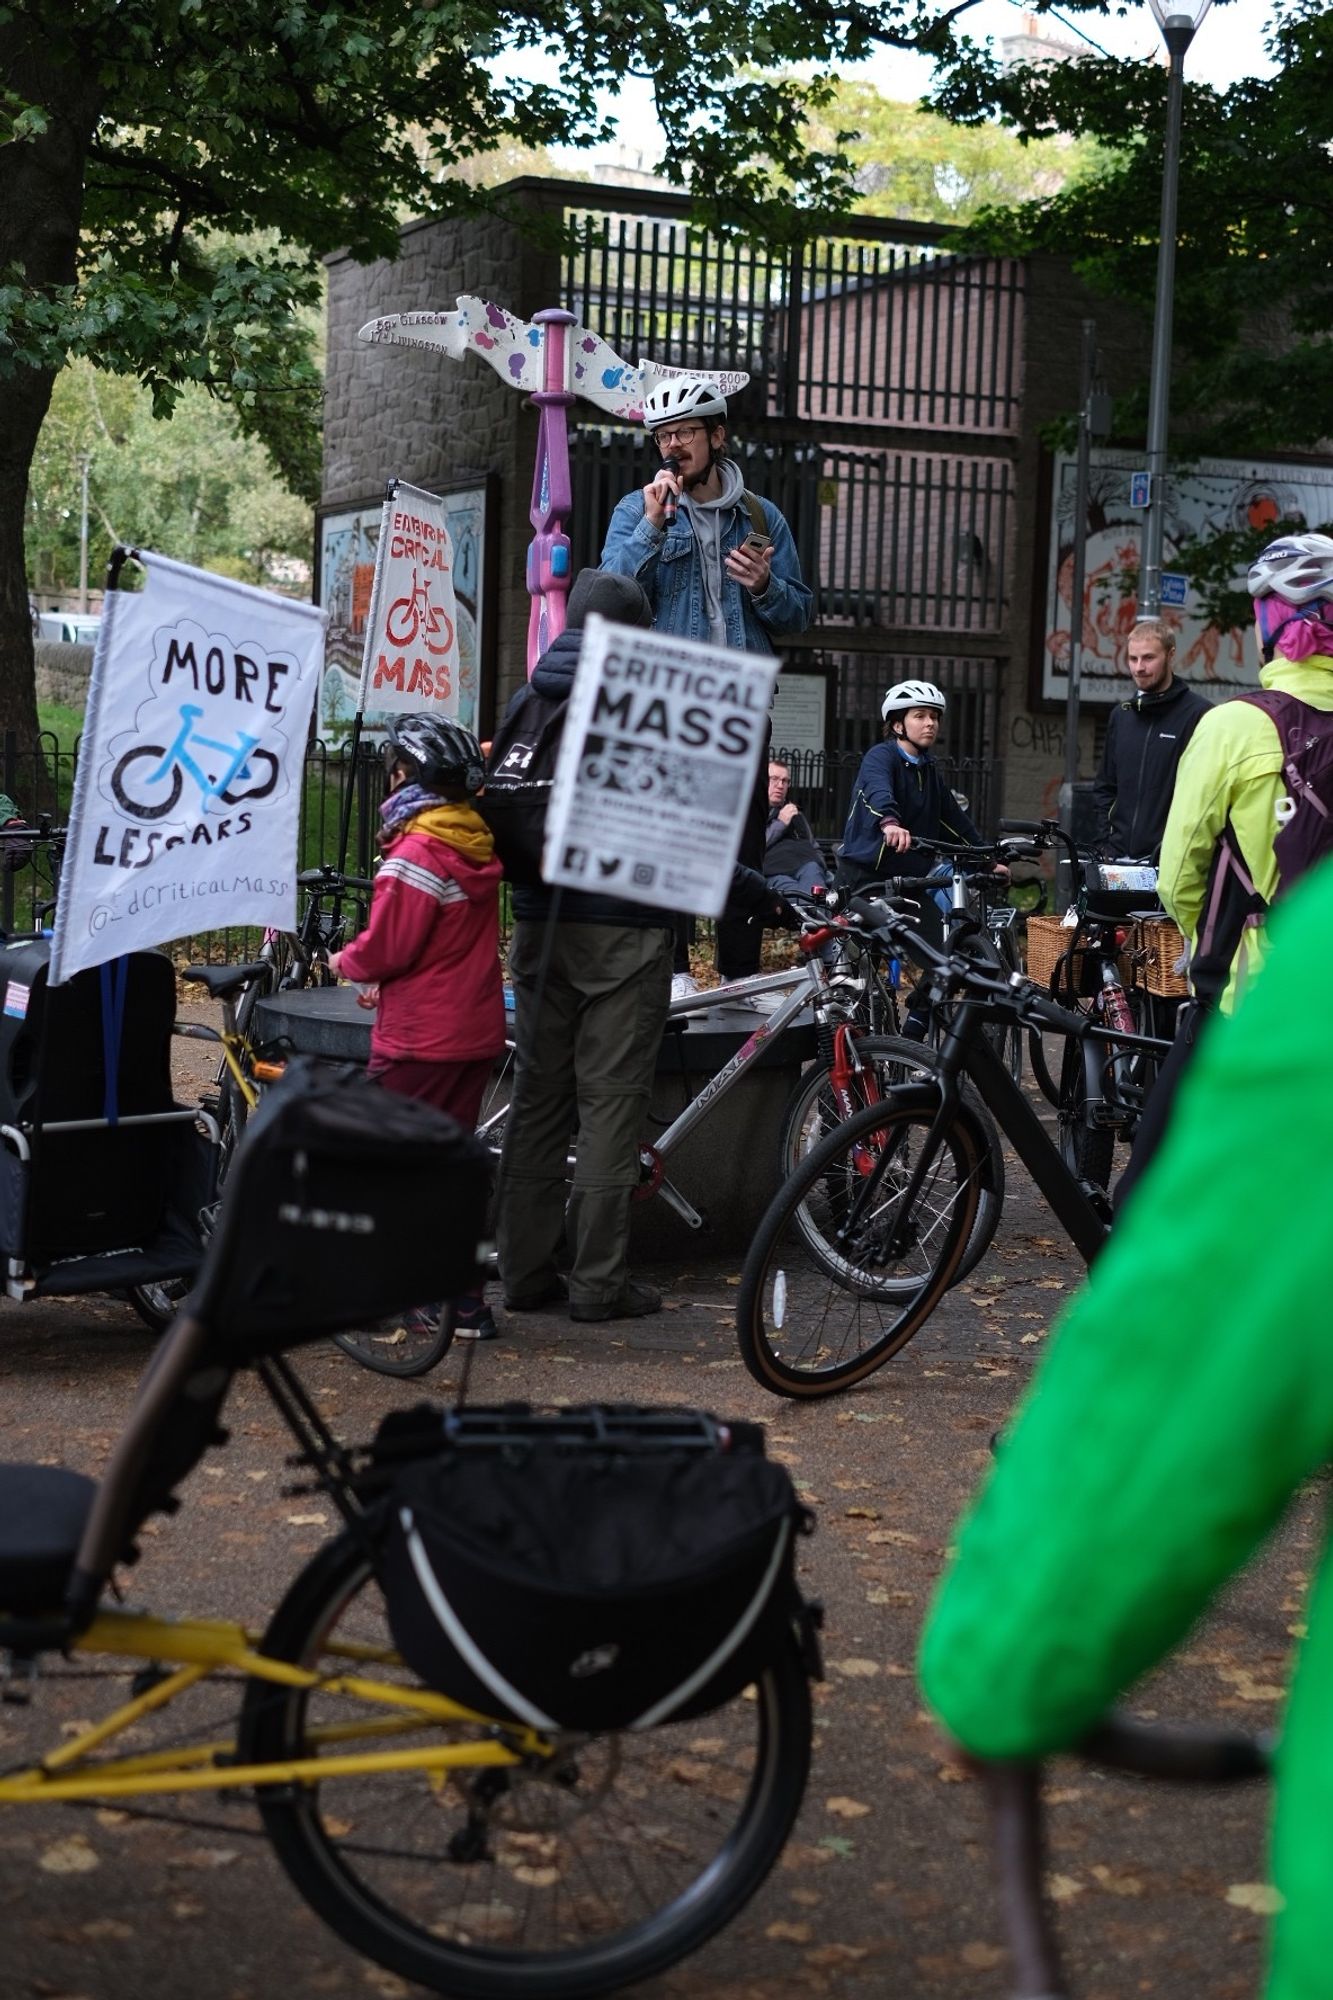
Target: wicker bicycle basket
[
  {"x": 1048, "y": 940},
  {"x": 1158, "y": 946},
  {"x": 1048, "y": 943}
]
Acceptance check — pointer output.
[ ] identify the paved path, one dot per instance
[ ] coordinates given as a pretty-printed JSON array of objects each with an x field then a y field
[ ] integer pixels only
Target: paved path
[{"x": 885, "y": 1888}]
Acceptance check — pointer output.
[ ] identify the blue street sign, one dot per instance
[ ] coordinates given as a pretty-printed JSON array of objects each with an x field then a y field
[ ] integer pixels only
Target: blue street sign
[
  {"x": 1140, "y": 489},
  {"x": 1174, "y": 587}
]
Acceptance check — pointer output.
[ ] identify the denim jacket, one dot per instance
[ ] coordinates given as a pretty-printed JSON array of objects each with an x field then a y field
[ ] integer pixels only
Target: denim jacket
[{"x": 666, "y": 563}]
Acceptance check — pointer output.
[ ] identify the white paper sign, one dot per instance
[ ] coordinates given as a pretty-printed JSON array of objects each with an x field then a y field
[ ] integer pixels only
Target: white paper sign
[
  {"x": 657, "y": 765},
  {"x": 410, "y": 664},
  {"x": 188, "y": 788}
]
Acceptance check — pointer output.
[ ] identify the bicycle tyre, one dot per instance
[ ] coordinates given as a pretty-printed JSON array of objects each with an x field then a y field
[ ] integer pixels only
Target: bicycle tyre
[
  {"x": 812, "y": 1113},
  {"x": 389, "y": 1349},
  {"x": 380, "y": 1863},
  {"x": 1087, "y": 1150},
  {"x": 814, "y": 1317}
]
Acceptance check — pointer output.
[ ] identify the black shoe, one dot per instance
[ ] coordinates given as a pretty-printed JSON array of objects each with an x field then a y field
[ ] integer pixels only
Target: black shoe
[
  {"x": 634, "y": 1301},
  {"x": 476, "y": 1323},
  {"x": 553, "y": 1294}
]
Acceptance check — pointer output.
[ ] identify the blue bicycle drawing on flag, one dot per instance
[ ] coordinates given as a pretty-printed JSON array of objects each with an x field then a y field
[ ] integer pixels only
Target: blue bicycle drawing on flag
[{"x": 243, "y": 771}]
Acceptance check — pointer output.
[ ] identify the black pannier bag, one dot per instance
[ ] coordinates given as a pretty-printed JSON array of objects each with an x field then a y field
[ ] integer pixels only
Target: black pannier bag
[
  {"x": 597, "y": 1589},
  {"x": 345, "y": 1202}
]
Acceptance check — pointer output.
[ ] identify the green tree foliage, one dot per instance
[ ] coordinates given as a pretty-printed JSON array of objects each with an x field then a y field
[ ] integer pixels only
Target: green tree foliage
[
  {"x": 909, "y": 161},
  {"x": 1253, "y": 366},
  {"x": 143, "y": 138},
  {"x": 196, "y": 487}
]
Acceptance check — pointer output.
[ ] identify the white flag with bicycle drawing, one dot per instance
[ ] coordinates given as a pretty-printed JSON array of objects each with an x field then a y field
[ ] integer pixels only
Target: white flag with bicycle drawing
[
  {"x": 411, "y": 660},
  {"x": 187, "y": 793}
]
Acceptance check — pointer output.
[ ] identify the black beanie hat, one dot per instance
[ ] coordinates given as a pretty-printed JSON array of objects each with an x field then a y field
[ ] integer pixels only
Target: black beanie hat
[{"x": 619, "y": 598}]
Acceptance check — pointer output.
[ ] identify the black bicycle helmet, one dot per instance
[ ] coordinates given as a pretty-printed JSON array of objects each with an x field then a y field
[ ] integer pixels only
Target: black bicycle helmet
[{"x": 439, "y": 753}]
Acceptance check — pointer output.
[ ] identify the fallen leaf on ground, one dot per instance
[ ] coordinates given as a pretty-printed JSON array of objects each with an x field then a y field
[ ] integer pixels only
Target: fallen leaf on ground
[
  {"x": 306, "y": 1520},
  {"x": 68, "y": 1857},
  {"x": 790, "y": 1933},
  {"x": 1261, "y": 1897},
  {"x": 844, "y": 1808},
  {"x": 1064, "y": 1888},
  {"x": 856, "y": 1670},
  {"x": 983, "y": 1957}
]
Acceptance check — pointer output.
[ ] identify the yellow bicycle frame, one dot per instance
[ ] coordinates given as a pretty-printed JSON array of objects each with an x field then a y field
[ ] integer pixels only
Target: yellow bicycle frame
[{"x": 201, "y": 1647}]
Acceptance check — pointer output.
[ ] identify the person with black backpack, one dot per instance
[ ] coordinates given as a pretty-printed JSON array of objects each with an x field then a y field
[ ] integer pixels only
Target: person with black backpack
[
  {"x": 1253, "y": 806},
  {"x": 591, "y": 976}
]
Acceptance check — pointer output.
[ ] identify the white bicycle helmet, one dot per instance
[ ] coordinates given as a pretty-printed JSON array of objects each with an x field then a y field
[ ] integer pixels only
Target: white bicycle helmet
[
  {"x": 912, "y": 694},
  {"x": 682, "y": 397},
  {"x": 1297, "y": 569}
]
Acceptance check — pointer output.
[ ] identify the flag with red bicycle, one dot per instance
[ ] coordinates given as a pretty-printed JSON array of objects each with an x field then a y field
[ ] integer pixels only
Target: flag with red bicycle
[{"x": 411, "y": 661}]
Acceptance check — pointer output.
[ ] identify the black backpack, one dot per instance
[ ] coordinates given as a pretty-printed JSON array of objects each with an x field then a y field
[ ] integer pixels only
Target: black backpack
[
  {"x": 1232, "y": 903},
  {"x": 519, "y": 774}
]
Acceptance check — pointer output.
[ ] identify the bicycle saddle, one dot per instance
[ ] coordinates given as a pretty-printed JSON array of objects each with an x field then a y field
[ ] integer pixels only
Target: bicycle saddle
[
  {"x": 43, "y": 1512},
  {"x": 222, "y": 981}
]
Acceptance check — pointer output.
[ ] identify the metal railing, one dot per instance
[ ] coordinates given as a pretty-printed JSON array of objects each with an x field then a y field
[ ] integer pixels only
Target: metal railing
[{"x": 879, "y": 324}]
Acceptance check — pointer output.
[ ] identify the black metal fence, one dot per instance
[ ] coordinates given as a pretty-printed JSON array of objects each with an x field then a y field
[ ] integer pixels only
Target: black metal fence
[
  {"x": 880, "y": 324},
  {"x": 881, "y": 419}
]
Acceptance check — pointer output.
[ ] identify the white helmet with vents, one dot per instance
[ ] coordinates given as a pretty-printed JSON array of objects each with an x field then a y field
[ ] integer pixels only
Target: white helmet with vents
[
  {"x": 1298, "y": 569},
  {"x": 912, "y": 694},
  {"x": 682, "y": 397}
]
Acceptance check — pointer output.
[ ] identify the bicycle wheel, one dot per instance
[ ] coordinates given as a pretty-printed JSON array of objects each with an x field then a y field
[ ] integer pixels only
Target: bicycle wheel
[
  {"x": 1087, "y": 1150},
  {"x": 813, "y": 1111},
  {"x": 494, "y": 1115},
  {"x": 401, "y": 1346},
  {"x": 557, "y": 1878},
  {"x": 842, "y": 1271}
]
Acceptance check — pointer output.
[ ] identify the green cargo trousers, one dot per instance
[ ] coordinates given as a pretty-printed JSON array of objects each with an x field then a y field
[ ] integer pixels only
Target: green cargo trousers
[{"x": 586, "y": 1048}]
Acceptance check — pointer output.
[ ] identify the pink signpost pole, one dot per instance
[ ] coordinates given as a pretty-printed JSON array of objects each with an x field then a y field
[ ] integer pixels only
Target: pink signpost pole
[{"x": 552, "y": 496}]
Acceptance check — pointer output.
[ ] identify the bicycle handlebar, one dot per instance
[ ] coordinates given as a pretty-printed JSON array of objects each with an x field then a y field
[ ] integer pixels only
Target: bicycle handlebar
[
  {"x": 330, "y": 880},
  {"x": 1175, "y": 1751}
]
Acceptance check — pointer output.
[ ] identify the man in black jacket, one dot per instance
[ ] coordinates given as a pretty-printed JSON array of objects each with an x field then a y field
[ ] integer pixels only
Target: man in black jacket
[
  {"x": 793, "y": 862},
  {"x": 1145, "y": 740},
  {"x": 591, "y": 976}
]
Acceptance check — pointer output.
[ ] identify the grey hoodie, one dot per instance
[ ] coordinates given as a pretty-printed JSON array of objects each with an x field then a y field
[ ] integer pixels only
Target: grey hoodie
[{"x": 705, "y": 519}]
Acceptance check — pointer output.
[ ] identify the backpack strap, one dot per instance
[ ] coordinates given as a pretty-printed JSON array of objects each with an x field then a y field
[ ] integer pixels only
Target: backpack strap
[
  {"x": 1231, "y": 907},
  {"x": 758, "y": 518}
]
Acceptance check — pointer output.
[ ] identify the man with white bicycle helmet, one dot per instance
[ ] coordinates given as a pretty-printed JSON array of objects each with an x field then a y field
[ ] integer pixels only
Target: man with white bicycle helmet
[
  {"x": 718, "y": 564},
  {"x": 1249, "y": 814},
  {"x": 899, "y": 796}
]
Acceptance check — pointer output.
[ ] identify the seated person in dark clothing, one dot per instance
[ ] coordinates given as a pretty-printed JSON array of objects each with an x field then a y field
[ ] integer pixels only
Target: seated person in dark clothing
[
  {"x": 793, "y": 862},
  {"x": 1145, "y": 741}
]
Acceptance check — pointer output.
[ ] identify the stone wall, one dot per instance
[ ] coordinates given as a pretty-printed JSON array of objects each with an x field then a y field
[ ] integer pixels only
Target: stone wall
[
  {"x": 402, "y": 412},
  {"x": 62, "y": 672}
]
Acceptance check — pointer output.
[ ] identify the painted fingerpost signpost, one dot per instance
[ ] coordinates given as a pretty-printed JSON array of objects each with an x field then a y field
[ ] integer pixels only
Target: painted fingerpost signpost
[
  {"x": 187, "y": 793},
  {"x": 554, "y": 360}
]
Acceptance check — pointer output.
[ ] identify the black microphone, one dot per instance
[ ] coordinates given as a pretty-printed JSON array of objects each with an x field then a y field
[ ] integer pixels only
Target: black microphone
[{"x": 669, "y": 499}]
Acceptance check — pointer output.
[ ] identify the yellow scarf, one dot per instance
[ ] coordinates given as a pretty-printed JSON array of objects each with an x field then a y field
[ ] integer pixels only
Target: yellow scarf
[{"x": 460, "y": 826}]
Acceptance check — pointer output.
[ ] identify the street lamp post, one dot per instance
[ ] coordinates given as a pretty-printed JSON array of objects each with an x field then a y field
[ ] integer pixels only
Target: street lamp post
[{"x": 1179, "y": 26}]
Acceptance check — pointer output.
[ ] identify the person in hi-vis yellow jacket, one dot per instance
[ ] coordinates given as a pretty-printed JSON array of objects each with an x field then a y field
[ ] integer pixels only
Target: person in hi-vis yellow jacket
[{"x": 1232, "y": 772}]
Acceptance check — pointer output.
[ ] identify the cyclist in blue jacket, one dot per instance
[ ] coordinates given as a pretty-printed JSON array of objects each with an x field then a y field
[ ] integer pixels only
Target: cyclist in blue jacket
[{"x": 900, "y": 797}]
